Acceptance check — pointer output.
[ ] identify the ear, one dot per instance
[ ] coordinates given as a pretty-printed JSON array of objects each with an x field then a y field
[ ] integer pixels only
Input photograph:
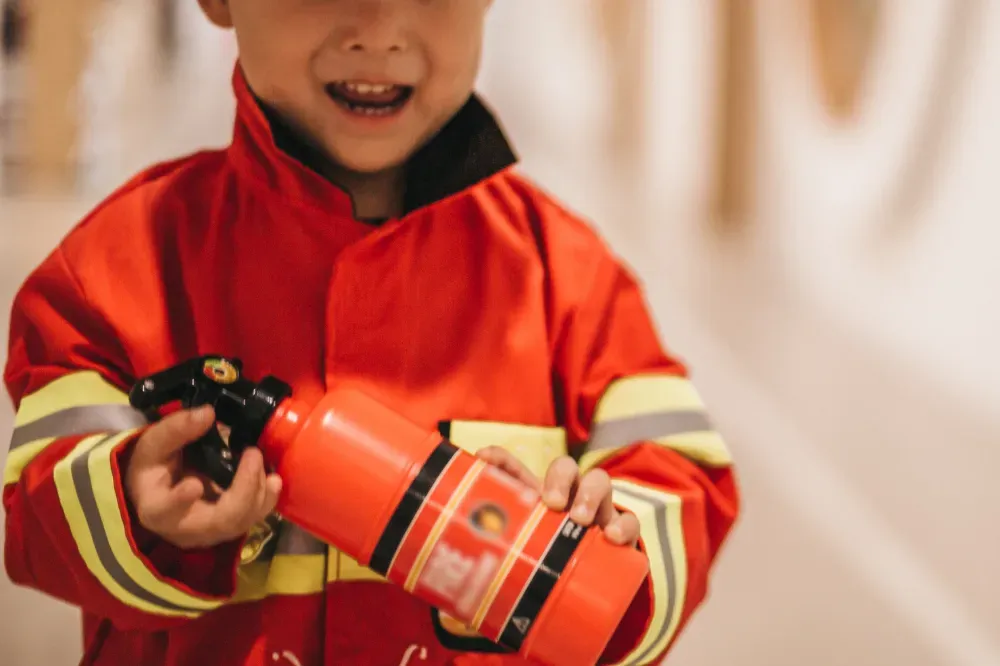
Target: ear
[{"x": 217, "y": 12}]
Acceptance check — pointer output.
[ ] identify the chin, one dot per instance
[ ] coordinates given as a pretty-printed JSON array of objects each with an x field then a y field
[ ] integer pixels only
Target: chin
[
  {"x": 370, "y": 159},
  {"x": 369, "y": 168}
]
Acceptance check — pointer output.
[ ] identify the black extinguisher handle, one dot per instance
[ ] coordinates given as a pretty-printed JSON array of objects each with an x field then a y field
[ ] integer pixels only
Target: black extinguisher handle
[{"x": 243, "y": 405}]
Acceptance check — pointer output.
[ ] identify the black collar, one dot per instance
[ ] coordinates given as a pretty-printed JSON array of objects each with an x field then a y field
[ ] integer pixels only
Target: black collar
[{"x": 470, "y": 148}]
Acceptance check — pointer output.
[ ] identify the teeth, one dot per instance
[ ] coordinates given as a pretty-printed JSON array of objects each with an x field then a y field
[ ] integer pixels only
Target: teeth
[
  {"x": 369, "y": 103},
  {"x": 370, "y": 111},
  {"x": 369, "y": 88}
]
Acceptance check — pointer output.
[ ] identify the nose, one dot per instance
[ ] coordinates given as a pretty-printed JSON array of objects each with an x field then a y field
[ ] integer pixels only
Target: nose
[{"x": 374, "y": 26}]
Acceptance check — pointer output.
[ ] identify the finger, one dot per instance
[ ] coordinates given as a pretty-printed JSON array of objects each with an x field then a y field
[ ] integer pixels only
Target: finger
[
  {"x": 213, "y": 491},
  {"x": 161, "y": 510},
  {"x": 166, "y": 439},
  {"x": 509, "y": 463},
  {"x": 239, "y": 503},
  {"x": 272, "y": 492},
  {"x": 606, "y": 511},
  {"x": 623, "y": 530},
  {"x": 188, "y": 491},
  {"x": 593, "y": 494},
  {"x": 559, "y": 483},
  {"x": 259, "y": 500}
]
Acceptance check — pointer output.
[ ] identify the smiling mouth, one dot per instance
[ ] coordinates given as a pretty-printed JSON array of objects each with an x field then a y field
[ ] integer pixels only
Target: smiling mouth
[{"x": 369, "y": 99}]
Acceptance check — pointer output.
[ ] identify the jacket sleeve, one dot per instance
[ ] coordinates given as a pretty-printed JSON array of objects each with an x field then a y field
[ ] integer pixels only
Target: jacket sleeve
[
  {"x": 631, "y": 410},
  {"x": 69, "y": 531}
]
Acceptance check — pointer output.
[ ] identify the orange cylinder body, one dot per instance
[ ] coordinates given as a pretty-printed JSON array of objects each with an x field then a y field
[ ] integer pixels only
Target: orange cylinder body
[{"x": 460, "y": 534}]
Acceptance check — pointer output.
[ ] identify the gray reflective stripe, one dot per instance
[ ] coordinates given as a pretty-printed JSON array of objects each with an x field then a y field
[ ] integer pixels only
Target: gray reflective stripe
[
  {"x": 668, "y": 559},
  {"x": 612, "y": 434},
  {"x": 88, "y": 502},
  {"x": 79, "y": 421},
  {"x": 293, "y": 540}
]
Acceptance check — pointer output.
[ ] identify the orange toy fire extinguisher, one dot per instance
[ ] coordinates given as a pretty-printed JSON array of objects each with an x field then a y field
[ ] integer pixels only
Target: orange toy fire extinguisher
[{"x": 460, "y": 534}]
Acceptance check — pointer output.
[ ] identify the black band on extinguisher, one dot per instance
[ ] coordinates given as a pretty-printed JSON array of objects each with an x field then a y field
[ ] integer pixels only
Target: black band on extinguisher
[
  {"x": 409, "y": 507},
  {"x": 540, "y": 586}
]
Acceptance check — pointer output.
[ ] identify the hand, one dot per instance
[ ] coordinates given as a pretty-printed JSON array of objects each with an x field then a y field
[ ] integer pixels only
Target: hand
[
  {"x": 184, "y": 508},
  {"x": 588, "y": 498}
]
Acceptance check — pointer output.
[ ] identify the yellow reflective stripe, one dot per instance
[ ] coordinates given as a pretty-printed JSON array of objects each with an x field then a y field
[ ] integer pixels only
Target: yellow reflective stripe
[
  {"x": 283, "y": 575},
  {"x": 19, "y": 458},
  {"x": 91, "y": 508},
  {"x": 295, "y": 563},
  {"x": 662, "y": 533},
  {"x": 706, "y": 448},
  {"x": 76, "y": 404},
  {"x": 344, "y": 568},
  {"x": 592, "y": 459},
  {"x": 647, "y": 394},
  {"x": 535, "y": 446},
  {"x": 665, "y": 410},
  {"x": 78, "y": 524},
  {"x": 74, "y": 390},
  {"x": 103, "y": 480},
  {"x": 296, "y": 574}
]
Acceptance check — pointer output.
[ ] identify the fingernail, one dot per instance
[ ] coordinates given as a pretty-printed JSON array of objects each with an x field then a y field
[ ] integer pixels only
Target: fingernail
[
  {"x": 580, "y": 512},
  {"x": 614, "y": 533},
  {"x": 555, "y": 498},
  {"x": 203, "y": 413}
]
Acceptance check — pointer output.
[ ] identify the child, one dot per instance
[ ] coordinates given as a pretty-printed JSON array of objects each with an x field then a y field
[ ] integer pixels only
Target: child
[{"x": 366, "y": 224}]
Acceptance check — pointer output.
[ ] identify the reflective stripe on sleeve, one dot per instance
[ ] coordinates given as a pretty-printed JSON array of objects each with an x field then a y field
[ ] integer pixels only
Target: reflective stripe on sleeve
[
  {"x": 81, "y": 403},
  {"x": 662, "y": 534},
  {"x": 662, "y": 409},
  {"x": 87, "y": 493},
  {"x": 78, "y": 421}
]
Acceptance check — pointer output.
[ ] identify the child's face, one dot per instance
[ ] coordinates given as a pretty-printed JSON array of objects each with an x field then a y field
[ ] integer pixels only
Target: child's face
[{"x": 369, "y": 81}]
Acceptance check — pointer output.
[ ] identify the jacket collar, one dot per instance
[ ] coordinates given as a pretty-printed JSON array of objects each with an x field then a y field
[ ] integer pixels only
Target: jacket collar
[{"x": 468, "y": 150}]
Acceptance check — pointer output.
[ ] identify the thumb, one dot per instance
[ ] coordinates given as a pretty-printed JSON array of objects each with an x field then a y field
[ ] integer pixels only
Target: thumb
[
  {"x": 187, "y": 492},
  {"x": 167, "y": 438}
]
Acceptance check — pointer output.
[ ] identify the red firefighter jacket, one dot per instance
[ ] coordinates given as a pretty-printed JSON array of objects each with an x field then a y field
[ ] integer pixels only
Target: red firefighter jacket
[{"x": 487, "y": 305}]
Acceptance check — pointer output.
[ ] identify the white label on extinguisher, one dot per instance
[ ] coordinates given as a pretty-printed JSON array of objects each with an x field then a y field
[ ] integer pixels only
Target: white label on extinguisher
[
  {"x": 476, "y": 587},
  {"x": 446, "y": 570},
  {"x": 458, "y": 579}
]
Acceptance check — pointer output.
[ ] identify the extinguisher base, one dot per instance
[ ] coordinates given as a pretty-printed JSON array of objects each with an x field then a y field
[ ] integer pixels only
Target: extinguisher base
[{"x": 587, "y": 604}]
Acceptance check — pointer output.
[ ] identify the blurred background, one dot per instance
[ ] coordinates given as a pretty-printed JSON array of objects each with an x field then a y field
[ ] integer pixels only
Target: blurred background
[{"x": 808, "y": 189}]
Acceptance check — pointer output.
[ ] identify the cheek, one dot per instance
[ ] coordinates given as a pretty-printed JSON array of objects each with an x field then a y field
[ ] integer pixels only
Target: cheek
[
  {"x": 454, "y": 68},
  {"x": 275, "y": 51},
  {"x": 277, "y": 71}
]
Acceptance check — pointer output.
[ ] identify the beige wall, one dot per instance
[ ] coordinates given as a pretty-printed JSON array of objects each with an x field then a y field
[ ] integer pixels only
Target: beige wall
[{"x": 850, "y": 365}]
